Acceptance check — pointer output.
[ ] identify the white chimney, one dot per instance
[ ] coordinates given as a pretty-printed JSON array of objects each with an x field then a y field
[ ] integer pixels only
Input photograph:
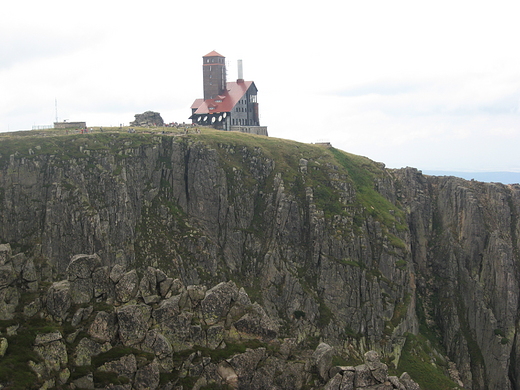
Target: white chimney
[{"x": 240, "y": 72}]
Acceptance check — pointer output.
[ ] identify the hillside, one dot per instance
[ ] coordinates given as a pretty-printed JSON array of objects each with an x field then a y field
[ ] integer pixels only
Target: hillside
[{"x": 336, "y": 255}]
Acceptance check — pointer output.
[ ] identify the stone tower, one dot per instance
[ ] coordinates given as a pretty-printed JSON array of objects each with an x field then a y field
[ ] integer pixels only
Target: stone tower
[{"x": 214, "y": 75}]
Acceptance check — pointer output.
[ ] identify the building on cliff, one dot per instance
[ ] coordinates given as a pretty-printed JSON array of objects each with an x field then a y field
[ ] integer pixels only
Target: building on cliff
[{"x": 230, "y": 106}]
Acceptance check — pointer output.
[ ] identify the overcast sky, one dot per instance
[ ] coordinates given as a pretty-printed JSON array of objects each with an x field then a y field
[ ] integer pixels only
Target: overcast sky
[{"x": 433, "y": 85}]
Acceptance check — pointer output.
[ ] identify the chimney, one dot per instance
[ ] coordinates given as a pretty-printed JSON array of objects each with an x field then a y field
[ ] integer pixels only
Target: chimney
[{"x": 240, "y": 72}]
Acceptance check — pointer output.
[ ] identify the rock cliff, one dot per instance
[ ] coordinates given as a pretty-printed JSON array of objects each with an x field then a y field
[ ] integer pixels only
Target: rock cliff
[{"x": 305, "y": 249}]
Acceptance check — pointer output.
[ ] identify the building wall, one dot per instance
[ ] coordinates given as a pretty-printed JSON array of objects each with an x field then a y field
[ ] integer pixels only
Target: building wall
[
  {"x": 245, "y": 112},
  {"x": 258, "y": 130},
  {"x": 214, "y": 76},
  {"x": 70, "y": 125}
]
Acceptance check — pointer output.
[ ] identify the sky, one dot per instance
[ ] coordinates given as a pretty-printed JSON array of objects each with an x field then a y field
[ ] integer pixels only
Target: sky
[{"x": 433, "y": 85}]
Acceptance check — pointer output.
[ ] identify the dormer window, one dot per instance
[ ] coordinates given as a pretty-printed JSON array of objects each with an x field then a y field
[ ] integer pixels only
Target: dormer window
[{"x": 218, "y": 101}]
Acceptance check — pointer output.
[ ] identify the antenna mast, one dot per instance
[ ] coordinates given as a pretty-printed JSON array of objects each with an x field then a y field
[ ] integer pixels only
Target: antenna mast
[{"x": 56, "y": 108}]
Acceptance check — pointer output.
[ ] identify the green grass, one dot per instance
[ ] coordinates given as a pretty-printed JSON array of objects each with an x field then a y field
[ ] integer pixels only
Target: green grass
[
  {"x": 325, "y": 314},
  {"x": 64, "y": 147},
  {"x": 363, "y": 173},
  {"x": 117, "y": 353},
  {"x": 14, "y": 369},
  {"x": 422, "y": 367}
]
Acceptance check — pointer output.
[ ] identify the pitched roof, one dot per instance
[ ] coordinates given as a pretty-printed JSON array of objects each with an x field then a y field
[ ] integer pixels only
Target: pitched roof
[
  {"x": 197, "y": 103},
  {"x": 213, "y": 54},
  {"x": 224, "y": 103}
]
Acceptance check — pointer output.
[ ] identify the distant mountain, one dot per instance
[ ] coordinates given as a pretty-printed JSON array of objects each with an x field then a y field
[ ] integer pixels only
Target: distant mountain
[{"x": 496, "y": 177}]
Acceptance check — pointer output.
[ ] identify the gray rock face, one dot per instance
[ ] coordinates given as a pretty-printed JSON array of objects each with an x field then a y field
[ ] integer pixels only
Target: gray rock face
[
  {"x": 160, "y": 332},
  {"x": 332, "y": 246}
]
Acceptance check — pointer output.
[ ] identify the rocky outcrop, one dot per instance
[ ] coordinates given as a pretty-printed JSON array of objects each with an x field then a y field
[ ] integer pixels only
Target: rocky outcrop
[
  {"x": 135, "y": 344},
  {"x": 147, "y": 119},
  {"x": 372, "y": 375},
  {"x": 202, "y": 241}
]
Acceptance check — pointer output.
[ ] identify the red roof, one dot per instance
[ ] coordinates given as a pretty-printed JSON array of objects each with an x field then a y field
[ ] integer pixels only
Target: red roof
[
  {"x": 225, "y": 103},
  {"x": 197, "y": 103},
  {"x": 213, "y": 54}
]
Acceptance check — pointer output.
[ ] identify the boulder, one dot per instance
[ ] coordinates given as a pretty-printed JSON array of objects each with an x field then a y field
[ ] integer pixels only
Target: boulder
[
  {"x": 125, "y": 366},
  {"x": 79, "y": 274},
  {"x": 81, "y": 290},
  {"x": 214, "y": 336},
  {"x": 9, "y": 299},
  {"x": 177, "y": 326},
  {"x": 257, "y": 323},
  {"x": 245, "y": 364},
  {"x": 127, "y": 287},
  {"x": 148, "y": 283},
  {"x": 7, "y": 275},
  {"x": 196, "y": 294},
  {"x": 148, "y": 118},
  {"x": 157, "y": 344},
  {"x": 104, "y": 327},
  {"x": 364, "y": 377},
  {"x": 379, "y": 370},
  {"x": 147, "y": 377},
  {"x": 349, "y": 376},
  {"x": 103, "y": 286},
  {"x": 334, "y": 383},
  {"x": 117, "y": 273},
  {"x": 59, "y": 299},
  {"x": 85, "y": 382},
  {"x": 3, "y": 346},
  {"x": 165, "y": 287},
  {"x": 217, "y": 302},
  {"x": 408, "y": 382},
  {"x": 81, "y": 314},
  {"x": 5, "y": 253},
  {"x": 52, "y": 350},
  {"x": 87, "y": 348},
  {"x": 322, "y": 359},
  {"x": 167, "y": 310},
  {"x": 32, "y": 308},
  {"x": 29, "y": 276},
  {"x": 82, "y": 266},
  {"x": 134, "y": 321}
]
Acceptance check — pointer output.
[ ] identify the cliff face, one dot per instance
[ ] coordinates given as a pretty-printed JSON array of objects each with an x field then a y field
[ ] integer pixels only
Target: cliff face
[
  {"x": 466, "y": 253},
  {"x": 333, "y": 246}
]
